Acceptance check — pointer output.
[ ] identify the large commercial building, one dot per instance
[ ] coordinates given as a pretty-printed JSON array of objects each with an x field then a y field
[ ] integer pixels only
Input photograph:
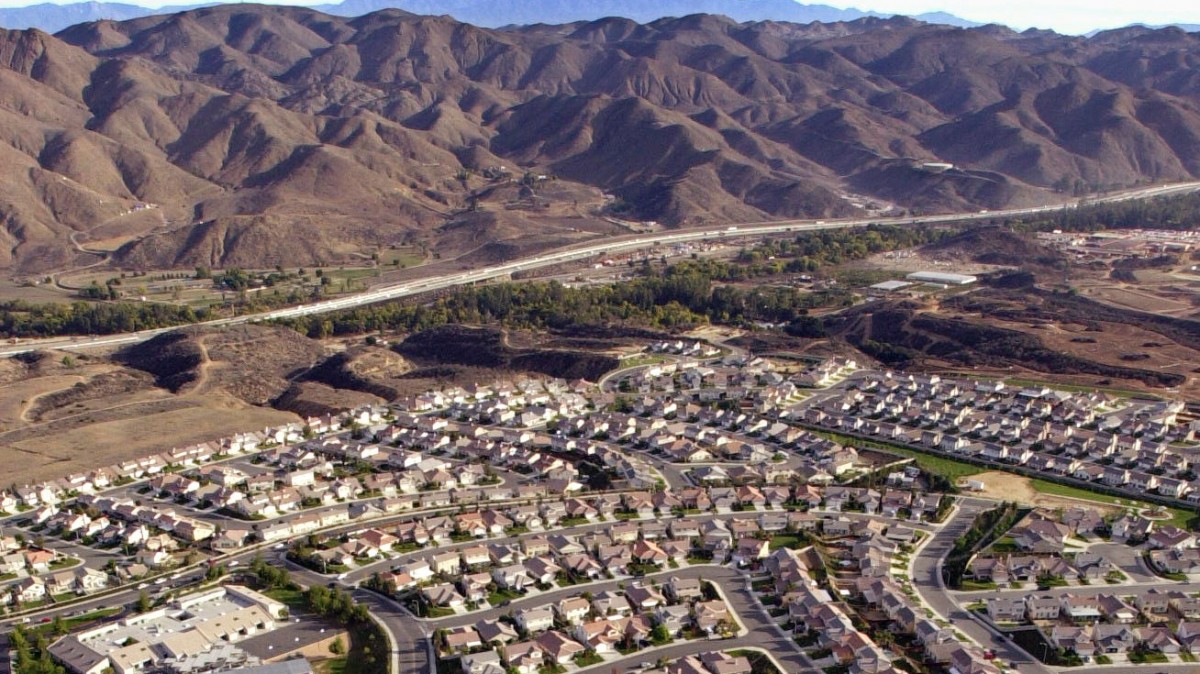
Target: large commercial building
[
  {"x": 942, "y": 277},
  {"x": 196, "y": 633}
]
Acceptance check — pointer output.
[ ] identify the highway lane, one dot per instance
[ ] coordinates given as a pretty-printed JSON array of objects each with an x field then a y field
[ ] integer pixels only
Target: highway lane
[{"x": 576, "y": 253}]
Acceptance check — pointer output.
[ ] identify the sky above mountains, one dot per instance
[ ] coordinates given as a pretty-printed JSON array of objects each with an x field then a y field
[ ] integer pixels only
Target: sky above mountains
[{"x": 1063, "y": 16}]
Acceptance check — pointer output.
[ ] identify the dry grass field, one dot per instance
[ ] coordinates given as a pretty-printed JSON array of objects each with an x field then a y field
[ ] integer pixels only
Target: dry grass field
[
  {"x": 1142, "y": 300},
  {"x": 60, "y": 448},
  {"x": 60, "y": 414}
]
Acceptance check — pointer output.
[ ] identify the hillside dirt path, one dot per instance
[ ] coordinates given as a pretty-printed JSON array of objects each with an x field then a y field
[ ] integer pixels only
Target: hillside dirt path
[
  {"x": 203, "y": 376},
  {"x": 23, "y": 416}
]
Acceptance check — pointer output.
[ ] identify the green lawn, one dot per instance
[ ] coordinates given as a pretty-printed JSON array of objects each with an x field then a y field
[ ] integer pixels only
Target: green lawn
[
  {"x": 759, "y": 662},
  {"x": 330, "y": 666},
  {"x": 975, "y": 585},
  {"x": 407, "y": 256},
  {"x": 948, "y": 468},
  {"x": 1179, "y": 517},
  {"x": 72, "y": 624},
  {"x": 1147, "y": 657},
  {"x": 588, "y": 658},
  {"x": 293, "y": 599},
  {"x": 641, "y": 360},
  {"x": 1005, "y": 544},
  {"x": 791, "y": 541},
  {"x": 499, "y": 596}
]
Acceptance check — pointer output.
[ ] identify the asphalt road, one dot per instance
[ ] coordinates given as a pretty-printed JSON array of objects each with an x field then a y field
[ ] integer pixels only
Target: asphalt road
[
  {"x": 927, "y": 581},
  {"x": 575, "y": 253},
  {"x": 762, "y": 632}
]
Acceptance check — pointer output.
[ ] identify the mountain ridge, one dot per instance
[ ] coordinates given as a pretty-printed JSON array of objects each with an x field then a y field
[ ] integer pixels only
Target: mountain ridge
[
  {"x": 52, "y": 18},
  {"x": 249, "y": 135}
]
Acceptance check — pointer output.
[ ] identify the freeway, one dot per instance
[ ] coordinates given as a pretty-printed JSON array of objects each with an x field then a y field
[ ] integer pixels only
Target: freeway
[{"x": 577, "y": 253}]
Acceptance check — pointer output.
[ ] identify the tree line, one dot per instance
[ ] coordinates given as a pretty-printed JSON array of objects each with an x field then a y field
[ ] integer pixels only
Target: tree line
[
  {"x": 31, "y": 657},
  {"x": 23, "y": 319},
  {"x": 987, "y": 527},
  {"x": 811, "y": 251},
  {"x": 684, "y": 296},
  {"x": 1174, "y": 212}
]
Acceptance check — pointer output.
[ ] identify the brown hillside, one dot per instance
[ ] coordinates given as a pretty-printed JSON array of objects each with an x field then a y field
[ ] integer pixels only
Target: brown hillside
[{"x": 259, "y": 135}]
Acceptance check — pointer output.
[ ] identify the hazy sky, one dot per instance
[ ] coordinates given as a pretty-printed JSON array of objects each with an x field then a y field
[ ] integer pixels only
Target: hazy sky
[{"x": 1065, "y": 16}]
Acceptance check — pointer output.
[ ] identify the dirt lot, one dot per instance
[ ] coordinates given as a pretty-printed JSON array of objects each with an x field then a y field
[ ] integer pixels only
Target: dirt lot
[
  {"x": 62, "y": 413},
  {"x": 1142, "y": 300},
  {"x": 58, "y": 448},
  {"x": 1008, "y": 487},
  {"x": 914, "y": 260}
]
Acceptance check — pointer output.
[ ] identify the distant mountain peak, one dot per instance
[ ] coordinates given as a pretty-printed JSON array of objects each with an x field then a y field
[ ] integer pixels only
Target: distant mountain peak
[{"x": 487, "y": 13}]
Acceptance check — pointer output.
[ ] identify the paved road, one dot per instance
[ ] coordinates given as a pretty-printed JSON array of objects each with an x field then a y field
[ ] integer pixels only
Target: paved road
[
  {"x": 927, "y": 580},
  {"x": 762, "y": 631},
  {"x": 411, "y": 653},
  {"x": 576, "y": 253}
]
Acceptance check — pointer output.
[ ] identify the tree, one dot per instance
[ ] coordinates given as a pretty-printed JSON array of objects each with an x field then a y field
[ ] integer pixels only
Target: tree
[
  {"x": 143, "y": 602},
  {"x": 337, "y": 647}
]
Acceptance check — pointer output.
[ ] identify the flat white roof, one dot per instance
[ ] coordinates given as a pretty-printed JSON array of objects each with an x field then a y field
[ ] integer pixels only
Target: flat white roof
[
  {"x": 942, "y": 277},
  {"x": 891, "y": 285}
]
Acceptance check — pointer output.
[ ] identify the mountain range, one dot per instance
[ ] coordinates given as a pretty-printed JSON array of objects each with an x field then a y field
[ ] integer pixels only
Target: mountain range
[
  {"x": 246, "y": 135},
  {"x": 52, "y": 17}
]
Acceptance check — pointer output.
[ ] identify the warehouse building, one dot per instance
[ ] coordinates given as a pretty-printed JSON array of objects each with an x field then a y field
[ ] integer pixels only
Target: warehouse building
[{"x": 942, "y": 277}]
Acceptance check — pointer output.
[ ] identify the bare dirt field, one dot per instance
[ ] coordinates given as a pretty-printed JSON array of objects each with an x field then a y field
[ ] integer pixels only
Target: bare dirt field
[
  {"x": 59, "y": 448},
  {"x": 41, "y": 293},
  {"x": 15, "y": 401},
  {"x": 1144, "y": 349},
  {"x": 65, "y": 413},
  {"x": 1141, "y": 300},
  {"x": 1008, "y": 487},
  {"x": 914, "y": 260}
]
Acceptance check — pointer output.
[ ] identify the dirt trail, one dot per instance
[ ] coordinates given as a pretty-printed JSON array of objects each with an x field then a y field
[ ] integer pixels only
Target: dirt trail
[
  {"x": 26, "y": 408},
  {"x": 202, "y": 370}
]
